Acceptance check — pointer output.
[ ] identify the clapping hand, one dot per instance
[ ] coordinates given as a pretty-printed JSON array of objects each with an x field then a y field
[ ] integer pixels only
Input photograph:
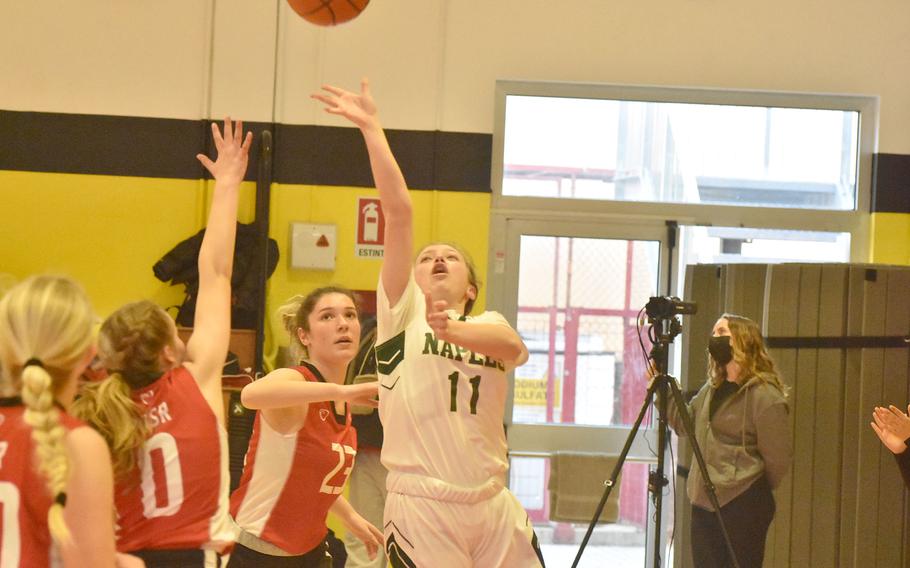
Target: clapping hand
[{"x": 892, "y": 427}]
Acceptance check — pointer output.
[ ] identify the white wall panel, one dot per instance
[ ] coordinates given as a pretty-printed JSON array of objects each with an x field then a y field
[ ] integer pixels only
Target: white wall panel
[
  {"x": 105, "y": 57},
  {"x": 434, "y": 63},
  {"x": 243, "y": 66},
  {"x": 396, "y": 43}
]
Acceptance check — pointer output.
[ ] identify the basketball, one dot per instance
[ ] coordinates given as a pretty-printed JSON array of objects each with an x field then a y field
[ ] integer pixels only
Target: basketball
[{"x": 328, "y": 12}]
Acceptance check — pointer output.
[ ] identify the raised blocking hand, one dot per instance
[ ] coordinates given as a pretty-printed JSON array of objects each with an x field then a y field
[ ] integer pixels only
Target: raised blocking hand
[{"x": 233, "y": 152}]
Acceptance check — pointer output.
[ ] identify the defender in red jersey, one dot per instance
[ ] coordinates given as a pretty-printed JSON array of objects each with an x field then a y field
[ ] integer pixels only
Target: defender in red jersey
[
  {"x": 161, "y": 408},
  {"x": 303, "y": 446},
  {"x": 176, "y": 499},
  {"x": 56, "y": 498}
]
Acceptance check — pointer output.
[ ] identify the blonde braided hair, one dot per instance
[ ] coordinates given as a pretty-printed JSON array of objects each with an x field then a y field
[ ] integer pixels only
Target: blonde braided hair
[{"x": 45, "y": 333}]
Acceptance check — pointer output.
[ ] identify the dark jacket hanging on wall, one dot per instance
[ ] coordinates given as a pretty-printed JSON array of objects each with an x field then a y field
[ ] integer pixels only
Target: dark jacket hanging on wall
[{"x": 179, "y": 266}]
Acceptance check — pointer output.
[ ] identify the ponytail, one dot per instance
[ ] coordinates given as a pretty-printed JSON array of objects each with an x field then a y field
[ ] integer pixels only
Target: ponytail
[
  {"x": 109, "y": 408},
  {"x": 130, "y": 343},
  {"x": 288, "y": 311}
]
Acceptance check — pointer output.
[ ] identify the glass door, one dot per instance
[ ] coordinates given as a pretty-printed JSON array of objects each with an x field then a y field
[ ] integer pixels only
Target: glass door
[{"x": 575, "y": 291}]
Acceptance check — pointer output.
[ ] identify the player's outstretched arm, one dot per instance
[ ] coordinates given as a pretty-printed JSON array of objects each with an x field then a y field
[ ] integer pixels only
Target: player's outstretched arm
[
  {"x": 207, "y": 347},
  {"x": 393, "y": 191},
  {"x": 285, "y": 388},
  {"x": 284, "y": 396}
]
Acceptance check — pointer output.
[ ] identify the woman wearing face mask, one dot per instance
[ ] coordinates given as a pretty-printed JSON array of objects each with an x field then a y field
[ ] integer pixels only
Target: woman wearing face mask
[{"x": 742, "y": 426}]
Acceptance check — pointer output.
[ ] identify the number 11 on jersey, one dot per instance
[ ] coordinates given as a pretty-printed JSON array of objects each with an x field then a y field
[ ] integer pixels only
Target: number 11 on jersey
[{"x": 475, "y": 392}]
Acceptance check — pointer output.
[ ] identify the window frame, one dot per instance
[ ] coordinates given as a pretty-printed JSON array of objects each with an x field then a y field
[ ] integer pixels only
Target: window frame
[{"x": 856, "y": 221}]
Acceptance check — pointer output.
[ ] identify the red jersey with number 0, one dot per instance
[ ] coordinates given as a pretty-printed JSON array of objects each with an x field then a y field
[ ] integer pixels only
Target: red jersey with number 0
[
  {"x": 177, "y": 497},
  {"x": 24, "y": 498},
  {"x": 290, "y": 481}
]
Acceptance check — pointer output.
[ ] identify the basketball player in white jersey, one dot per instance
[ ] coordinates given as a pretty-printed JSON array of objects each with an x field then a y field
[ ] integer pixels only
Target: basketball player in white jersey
[{"x": 442, "y": 389}]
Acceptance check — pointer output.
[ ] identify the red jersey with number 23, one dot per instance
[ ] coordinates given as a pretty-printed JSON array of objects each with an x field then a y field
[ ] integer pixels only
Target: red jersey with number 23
[
  {"x": 24, "y": 497},
  {"x": 177, "y": 498},
  {"x": 290, "y": 481}
]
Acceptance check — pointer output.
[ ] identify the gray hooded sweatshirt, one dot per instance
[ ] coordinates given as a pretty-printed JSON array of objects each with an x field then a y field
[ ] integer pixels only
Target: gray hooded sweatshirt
[{"x": 749, "y": 436}]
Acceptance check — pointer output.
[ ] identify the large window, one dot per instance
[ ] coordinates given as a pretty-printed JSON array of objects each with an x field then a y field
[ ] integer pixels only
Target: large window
[{"x": 627, "y": 150}]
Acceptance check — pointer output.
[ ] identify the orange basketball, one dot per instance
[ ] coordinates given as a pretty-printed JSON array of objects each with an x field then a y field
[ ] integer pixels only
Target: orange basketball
[{"x": 328, "y": 12}]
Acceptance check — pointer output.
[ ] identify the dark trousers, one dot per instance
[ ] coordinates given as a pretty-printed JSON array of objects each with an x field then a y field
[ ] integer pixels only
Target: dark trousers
[
  {"x": 747, "y": 519},
  {"x": 243, "y": 557},
  {"x": 185, "y": 558}
]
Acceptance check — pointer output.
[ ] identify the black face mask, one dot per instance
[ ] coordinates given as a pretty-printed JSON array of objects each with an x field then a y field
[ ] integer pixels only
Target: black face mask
[{"x": 720, "y": 349}]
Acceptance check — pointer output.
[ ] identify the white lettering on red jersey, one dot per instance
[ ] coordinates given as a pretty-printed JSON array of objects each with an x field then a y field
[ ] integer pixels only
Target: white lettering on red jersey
[
  {"x": 177, "y": 498},
  {"x": 25, "y": 539},
  {"x": 290, "y": 481}
]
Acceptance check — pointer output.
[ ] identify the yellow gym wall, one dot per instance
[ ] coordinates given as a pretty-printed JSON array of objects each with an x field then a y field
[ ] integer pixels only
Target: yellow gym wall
[
  {"x": 108, "y": 231},
  {"x": 105, "y": 231},
  {"x": 890, "y": 242}
]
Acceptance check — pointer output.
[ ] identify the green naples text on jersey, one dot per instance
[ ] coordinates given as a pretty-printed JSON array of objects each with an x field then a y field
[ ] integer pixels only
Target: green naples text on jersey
[{"x": 441, "y": 405}]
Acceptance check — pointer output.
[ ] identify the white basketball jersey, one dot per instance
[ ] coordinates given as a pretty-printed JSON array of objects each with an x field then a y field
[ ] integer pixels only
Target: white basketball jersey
[{"x": 441, "y": 405}]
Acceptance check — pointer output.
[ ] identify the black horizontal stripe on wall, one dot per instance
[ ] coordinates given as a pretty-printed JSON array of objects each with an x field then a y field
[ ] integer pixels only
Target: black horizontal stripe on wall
[
  {"x": 891, "y": 183},
  {"x": 328, "y": 155},
  {"x": 100, "y": 144},
  {"x": 303, "y": 154}
]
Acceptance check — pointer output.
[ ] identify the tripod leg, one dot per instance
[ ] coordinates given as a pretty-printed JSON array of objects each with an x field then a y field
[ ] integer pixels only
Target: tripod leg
[
  {"x": 616, "y": 469},
  {"x": 660, "y": 480},
  {"x": 712, "y": 494}
]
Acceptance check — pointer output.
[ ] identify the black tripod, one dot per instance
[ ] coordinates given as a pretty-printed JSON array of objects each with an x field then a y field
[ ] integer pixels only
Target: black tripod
[{"x": 666, "y": 326}]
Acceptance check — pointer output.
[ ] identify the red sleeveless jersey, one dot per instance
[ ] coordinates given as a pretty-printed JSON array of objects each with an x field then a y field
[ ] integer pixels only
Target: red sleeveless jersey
[
  {"x": 177, "y": 496},
  {"x": 25, "y": 539},
  {"x": 290, "y": 481}
]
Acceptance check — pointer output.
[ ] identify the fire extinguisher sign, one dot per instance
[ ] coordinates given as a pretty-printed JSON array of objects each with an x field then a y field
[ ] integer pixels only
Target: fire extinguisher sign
[{"x": 370, "y": 229}]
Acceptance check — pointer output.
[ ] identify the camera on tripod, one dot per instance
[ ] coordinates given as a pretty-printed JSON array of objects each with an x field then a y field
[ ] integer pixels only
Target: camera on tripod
[
  {"x": 662, "y": 312},
  {"x": 662, "y": 390},
  {"x": 666, "y": 307}
]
